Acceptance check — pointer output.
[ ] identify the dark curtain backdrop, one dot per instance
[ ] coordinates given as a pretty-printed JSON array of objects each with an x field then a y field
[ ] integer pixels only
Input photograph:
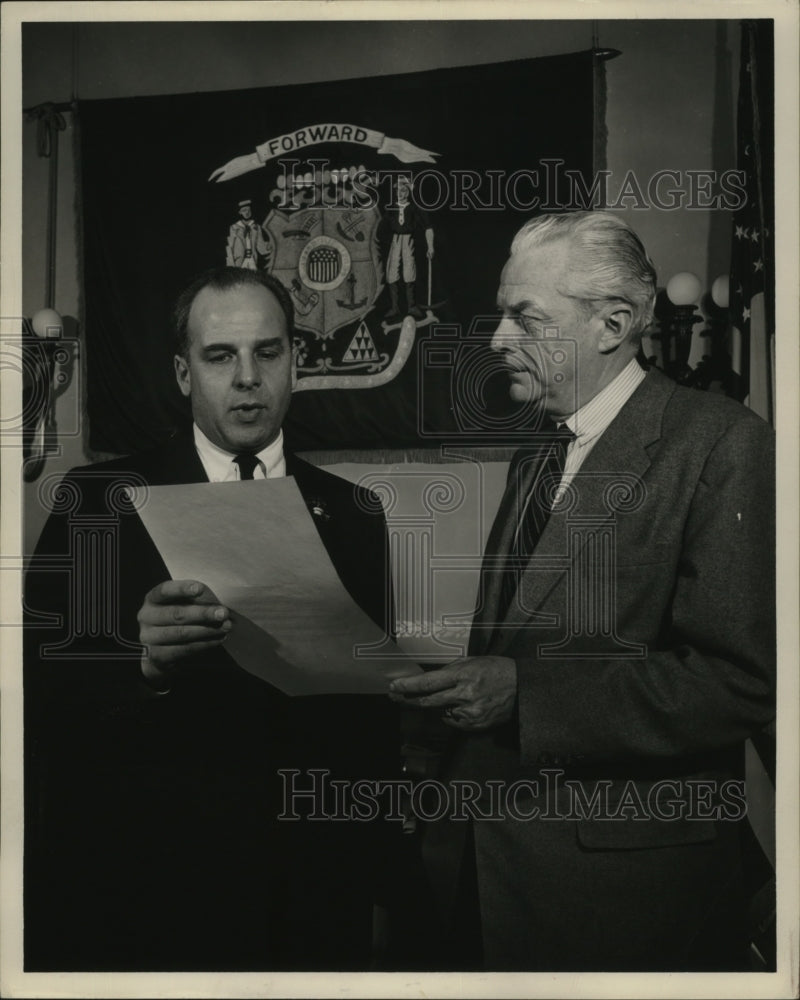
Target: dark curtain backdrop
[{"x": 152, "y": 219}]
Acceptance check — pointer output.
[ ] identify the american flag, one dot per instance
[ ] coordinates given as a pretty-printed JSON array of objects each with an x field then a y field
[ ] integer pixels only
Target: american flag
[{"x": 752, "y": 304}]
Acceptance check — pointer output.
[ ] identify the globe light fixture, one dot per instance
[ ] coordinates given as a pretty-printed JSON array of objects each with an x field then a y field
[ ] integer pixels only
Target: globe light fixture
[{"x": 683, "y": 291}]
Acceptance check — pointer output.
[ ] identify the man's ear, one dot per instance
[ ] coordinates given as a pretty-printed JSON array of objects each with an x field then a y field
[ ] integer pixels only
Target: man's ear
[
  {"x": 294, "y": 366},
  {"x": 617, "y": 322},
  {"x": 183, "y": 374}
]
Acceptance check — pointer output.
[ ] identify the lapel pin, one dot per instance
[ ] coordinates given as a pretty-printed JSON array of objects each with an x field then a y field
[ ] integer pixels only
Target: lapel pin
[{"x": 318, "y": 508}]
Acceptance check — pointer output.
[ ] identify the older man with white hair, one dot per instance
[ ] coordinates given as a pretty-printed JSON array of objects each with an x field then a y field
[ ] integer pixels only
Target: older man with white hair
[{"x": 623, "y": 645}]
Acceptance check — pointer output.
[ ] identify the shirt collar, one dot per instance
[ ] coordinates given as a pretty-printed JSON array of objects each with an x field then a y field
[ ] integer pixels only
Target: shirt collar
[
  {"x": 218, "y": 463},
  {"x": 593, "y": 417}
]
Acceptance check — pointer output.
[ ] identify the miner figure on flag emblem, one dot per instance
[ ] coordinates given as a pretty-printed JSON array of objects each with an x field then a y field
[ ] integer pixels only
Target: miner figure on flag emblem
[{"x": 405, "y": 220}]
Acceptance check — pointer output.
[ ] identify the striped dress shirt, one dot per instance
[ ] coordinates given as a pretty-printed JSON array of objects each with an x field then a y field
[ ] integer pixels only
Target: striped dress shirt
[{"x": 589, "y": 422}]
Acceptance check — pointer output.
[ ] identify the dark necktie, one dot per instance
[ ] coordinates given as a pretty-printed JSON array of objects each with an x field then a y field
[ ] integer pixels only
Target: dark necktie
[
  {"x": 536, "y": 474},
  {"x": 247, "y": 462}
]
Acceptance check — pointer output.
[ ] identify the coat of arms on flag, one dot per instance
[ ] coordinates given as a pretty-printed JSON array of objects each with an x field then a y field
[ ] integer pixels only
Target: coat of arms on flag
[{"x": 320, "y": 238}]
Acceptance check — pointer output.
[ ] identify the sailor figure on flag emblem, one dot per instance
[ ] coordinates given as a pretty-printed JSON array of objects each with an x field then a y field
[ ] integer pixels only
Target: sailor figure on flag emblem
[{"x": 246, "y": 245}]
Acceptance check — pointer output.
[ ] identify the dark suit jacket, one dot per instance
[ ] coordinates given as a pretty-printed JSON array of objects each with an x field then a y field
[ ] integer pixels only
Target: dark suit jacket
[
  {"x": 645, "y": 652},
  {"x": 151, "y": 832}
]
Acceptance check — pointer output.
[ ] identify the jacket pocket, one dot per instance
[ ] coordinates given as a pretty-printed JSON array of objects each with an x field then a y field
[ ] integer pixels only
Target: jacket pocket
[
  {"x": 643, "y": 812},
  {"x": 637, "y": 834}
]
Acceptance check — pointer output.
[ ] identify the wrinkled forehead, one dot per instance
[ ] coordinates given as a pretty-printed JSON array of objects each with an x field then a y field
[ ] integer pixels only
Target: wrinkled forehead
[{"x": 539, "y": 271}]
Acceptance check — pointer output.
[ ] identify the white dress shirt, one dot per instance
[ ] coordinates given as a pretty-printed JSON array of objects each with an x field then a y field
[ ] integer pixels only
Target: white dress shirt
[{"x": 221, "y": 468}]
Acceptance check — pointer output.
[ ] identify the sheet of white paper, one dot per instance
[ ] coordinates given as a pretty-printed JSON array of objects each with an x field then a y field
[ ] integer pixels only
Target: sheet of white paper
[{"x": 255, "y": 545}]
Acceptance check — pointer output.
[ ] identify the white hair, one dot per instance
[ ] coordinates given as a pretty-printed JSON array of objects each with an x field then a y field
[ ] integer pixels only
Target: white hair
[{"x": 607, "y": 261}]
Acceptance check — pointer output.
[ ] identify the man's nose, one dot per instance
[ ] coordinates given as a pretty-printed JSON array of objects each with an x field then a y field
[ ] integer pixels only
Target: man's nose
[
  {"x": 247, "y": 373},
  {"x": 504, "y": 335}
]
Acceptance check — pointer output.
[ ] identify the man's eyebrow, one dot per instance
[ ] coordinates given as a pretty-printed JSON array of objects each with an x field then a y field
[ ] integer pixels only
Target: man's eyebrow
[
  {"x": 259, "y": 345},
  {"x": 518, "y": 306}
]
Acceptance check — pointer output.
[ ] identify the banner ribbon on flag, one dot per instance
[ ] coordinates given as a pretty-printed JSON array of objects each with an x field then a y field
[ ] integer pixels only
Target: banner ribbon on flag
[{"x": 315, "y": 135}]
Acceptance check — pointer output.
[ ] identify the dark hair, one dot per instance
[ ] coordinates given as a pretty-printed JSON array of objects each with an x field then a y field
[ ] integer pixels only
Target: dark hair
[{"x": 223, "y": 279}]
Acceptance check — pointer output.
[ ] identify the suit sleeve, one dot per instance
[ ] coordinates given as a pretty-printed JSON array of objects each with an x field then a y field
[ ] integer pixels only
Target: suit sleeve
[
  {"x": 707, "y": 680},
  {"x": 82, "y": 595}
]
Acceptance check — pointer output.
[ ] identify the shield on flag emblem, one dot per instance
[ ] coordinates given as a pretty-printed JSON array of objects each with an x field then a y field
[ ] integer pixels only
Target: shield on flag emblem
[{"x": 328, "y": 260}]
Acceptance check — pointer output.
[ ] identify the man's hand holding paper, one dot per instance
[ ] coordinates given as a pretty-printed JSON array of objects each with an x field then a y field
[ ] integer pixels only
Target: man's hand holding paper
[
  {"x": 291, "y": 621},
  {"x": 178, "y": 620},
  {"x": 475, "y": 693}
]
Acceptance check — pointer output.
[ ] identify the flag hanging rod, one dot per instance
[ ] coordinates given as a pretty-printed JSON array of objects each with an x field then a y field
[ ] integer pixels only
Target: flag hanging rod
[
  {"x": 63, "y": 106},
  {"x": 607, "y": 54},
  {"x": 49, "y": 122}
]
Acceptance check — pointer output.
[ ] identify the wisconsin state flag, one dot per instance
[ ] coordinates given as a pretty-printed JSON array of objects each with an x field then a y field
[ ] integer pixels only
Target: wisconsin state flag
[{"x": 386, "y": 206}]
